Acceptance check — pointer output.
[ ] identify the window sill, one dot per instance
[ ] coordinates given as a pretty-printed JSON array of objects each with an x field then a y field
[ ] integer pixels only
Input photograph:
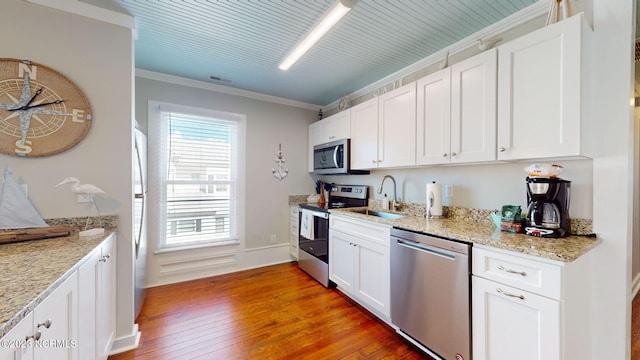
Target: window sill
[{"x": 170, "y": 249}]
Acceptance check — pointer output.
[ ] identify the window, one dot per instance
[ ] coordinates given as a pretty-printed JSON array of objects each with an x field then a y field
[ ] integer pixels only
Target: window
[{"x": 197, "y": 175}]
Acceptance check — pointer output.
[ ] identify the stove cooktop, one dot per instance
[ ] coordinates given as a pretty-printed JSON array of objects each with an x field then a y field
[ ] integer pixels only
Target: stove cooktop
[{"x": 342, "y": 196}]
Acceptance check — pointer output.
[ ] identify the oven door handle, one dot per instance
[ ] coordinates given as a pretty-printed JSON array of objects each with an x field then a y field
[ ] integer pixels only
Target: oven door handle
[{"x": 318, "y": 214}]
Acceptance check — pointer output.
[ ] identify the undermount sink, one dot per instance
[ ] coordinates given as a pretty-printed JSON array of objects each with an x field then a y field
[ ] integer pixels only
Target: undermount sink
[{"x": 380, "y": 214}]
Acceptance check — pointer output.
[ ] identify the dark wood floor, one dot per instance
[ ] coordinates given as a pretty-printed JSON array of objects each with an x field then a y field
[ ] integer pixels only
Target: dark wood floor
[
  {"x": 635, "y": 328},
  {"x": 276, "y": 312}
]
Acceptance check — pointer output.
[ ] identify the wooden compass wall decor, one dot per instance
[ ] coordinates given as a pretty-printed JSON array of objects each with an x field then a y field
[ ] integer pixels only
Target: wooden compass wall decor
[{"x": 42, "y": 112}]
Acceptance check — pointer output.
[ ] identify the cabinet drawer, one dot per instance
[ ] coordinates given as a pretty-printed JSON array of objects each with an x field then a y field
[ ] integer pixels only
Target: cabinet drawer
[
  {"x": 364, "y": 230},
  {"x": 293, "y": 211},
  {"x": 537, "y": 277}
]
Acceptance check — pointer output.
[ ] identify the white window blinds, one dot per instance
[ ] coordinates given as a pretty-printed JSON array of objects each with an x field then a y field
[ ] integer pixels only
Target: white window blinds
[{"x": 198, "y": 179}]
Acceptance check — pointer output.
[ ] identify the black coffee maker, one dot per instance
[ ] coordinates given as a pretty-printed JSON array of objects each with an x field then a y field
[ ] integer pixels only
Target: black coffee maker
[{"x": 548, "y": 207}]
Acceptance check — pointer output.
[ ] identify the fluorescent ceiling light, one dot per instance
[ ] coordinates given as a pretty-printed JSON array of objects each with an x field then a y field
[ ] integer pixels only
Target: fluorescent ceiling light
[{"x": 337, "y": 11}]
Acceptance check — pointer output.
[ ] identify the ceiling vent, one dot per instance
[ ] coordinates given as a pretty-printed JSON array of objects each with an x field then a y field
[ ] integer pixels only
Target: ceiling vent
[{"x": 228, "y": 81}]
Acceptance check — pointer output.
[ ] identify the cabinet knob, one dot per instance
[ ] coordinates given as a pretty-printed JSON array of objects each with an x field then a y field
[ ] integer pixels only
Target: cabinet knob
[
  {"x": 105, "y": 258},
  {"x": 47, "y": 324},
  {"x": 502, "y": 149},
  {"x": 453, "y": 154},
  {"x": 444, "y": 155},
  {"x": 36, "y": 336}
]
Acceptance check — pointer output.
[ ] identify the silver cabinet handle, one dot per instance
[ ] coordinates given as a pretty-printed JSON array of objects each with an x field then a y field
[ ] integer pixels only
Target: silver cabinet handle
[
  {"x": 502, "y": 149},
  {"x": 444, "y": 155},
  {"x": 373, "y": 161},
  {"x": 105, "y": 258},
  {"x": 36, "y": 336},
  {"x": 509, "y": 294},
  {"x": 522, "y": 273},
  {"x": 47, "y": 324},
  {"x": 453, "y": 154}
]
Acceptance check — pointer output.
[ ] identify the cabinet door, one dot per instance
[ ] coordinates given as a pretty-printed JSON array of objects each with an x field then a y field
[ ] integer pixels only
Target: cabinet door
[
  {"x": 473, "y": 108},
  {"x": 539, "y": 87},
  {"x": 336, "y": 127},
  {"x": 105, "y": 300},
  {"x": 433, "y": 118},
  {"x": 364, "y": 135},
  {"x": 15, "y": 346},
  {"x": 373, "y": 274},
  {"x": 293, "y": 231},
  {"x": 397, "y": 127},
  {"x": 342, "y": 257},
  {"x": 88, "y": 283},
  {"x": 57, "y": 319},
  {"x": 509, "y": 323}
]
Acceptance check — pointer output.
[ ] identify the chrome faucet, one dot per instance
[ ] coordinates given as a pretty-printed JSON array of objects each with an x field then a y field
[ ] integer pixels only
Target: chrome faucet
[{"x": 395, "y": 204}]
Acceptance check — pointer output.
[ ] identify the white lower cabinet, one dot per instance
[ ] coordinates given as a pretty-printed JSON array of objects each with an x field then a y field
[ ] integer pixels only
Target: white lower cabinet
[
  {"x": 509, "y": 323},
  {"x": 96, "y": 279},
  {"x": 76, "y": 321},
  {"x": 50, "y": 332},
  {"x": 359, "y": 262},
  {"x": 529, "y": 308},
  {"x": 293, "y": 231}
]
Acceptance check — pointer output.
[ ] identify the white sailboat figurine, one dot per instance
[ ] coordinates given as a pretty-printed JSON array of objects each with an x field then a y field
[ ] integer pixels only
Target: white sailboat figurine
[
  {"x": 16, "y": 210},
  {"x": 19, "y": 219}
]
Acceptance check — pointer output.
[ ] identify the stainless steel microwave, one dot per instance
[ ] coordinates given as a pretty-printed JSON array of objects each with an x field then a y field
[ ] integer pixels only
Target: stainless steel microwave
[{"x": 333, "y": 158}]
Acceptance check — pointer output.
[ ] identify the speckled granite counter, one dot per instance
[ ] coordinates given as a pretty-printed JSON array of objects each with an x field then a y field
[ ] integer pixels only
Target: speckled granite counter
[
  {"x": 31, "y": 270},
  {"x": 484, "y": 232}
]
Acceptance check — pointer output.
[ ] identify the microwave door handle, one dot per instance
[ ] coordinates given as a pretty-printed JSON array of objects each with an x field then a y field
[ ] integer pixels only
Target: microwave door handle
[{"x": 335, "y": 156}]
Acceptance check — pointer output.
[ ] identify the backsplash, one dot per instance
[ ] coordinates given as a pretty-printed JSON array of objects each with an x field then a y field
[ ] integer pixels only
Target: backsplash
[
  {"x": 578, "y": 226},
  {"x": 79, "y": 223}
]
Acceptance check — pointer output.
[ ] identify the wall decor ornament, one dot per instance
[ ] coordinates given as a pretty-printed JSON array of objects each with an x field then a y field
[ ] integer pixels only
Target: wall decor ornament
[
  {"x": 281, "y": 172},
  {"x": 42, "y": 112}
]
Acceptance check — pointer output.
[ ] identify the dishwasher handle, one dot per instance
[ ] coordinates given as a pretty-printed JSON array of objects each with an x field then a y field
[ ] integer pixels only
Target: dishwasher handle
[{"x": 428, "y": 249}]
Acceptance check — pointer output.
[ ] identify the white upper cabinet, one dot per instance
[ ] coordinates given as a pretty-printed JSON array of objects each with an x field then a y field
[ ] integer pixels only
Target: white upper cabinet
[
  {"x": 397, "y": 127},
  {"x": 434, "y": 118},
  {"x": 335, "y": 127},
  {"x": 542, "y": 80},
  {"x": 383, "y": 130},
  {"x": 364, "y": 135},
  {"x": 456, "y": 112}
]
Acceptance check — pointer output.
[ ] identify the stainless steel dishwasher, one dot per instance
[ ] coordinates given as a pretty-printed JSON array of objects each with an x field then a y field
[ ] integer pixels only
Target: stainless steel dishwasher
[{"x": 430, "y": 293}]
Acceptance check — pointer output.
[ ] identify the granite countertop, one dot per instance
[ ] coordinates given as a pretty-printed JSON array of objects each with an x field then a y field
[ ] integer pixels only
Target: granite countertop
[
  {"x": 474, "y": 231},
  {"x": 31, "y": 270}
]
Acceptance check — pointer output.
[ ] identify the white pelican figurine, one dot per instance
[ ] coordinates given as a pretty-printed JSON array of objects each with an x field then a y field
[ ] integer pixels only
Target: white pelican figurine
[
  {"x": 81, "y": 188},
  {"x": 88, "y": 189}
]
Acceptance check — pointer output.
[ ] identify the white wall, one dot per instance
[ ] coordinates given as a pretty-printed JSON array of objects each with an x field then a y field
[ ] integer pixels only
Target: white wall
[
  {"x": 486, "y": 186},
  {"x": 268, "y": 124},
  {"x": 610, "y": 276},
  {"x": 99, "y": 58}
]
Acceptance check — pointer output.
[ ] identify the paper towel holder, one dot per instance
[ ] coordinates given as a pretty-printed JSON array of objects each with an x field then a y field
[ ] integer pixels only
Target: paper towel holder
[{"x": 430, "y": 203}]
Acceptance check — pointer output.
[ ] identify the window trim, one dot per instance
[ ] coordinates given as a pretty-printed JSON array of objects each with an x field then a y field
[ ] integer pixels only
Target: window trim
[{"x": 155, "y": 185}]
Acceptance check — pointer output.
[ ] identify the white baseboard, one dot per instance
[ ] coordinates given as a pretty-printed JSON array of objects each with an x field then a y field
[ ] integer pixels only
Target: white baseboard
[
  {"x": 128, "y": 342},
  {"x": 635, "y": 286}
]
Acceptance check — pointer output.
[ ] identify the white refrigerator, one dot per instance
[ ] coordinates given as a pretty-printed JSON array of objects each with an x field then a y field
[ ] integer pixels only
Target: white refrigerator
[{"x": 140, "y": 217}]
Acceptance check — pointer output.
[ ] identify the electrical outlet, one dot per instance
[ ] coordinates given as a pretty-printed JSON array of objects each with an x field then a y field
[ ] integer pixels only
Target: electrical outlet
[
  {"x": 448, "y": 191},
  {"x": 274, "y": 239},
  {"x": 84, "y": 198}
]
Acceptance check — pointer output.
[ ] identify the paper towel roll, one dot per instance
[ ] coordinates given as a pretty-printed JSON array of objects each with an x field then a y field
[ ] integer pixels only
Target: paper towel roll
[{"x": 434, "y": 200}]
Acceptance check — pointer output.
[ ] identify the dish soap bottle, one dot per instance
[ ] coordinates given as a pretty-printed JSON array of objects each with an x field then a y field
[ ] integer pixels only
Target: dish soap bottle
[{"x": 385, "y": 203}]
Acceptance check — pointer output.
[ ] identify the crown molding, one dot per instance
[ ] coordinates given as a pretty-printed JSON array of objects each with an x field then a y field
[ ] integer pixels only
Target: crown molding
[
  {"x": 177, "y": 80},
  {"x": 90, "y": 11}
]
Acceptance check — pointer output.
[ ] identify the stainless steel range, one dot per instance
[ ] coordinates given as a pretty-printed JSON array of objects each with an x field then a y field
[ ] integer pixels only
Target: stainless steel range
[{"x": 313, "y": 222}]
